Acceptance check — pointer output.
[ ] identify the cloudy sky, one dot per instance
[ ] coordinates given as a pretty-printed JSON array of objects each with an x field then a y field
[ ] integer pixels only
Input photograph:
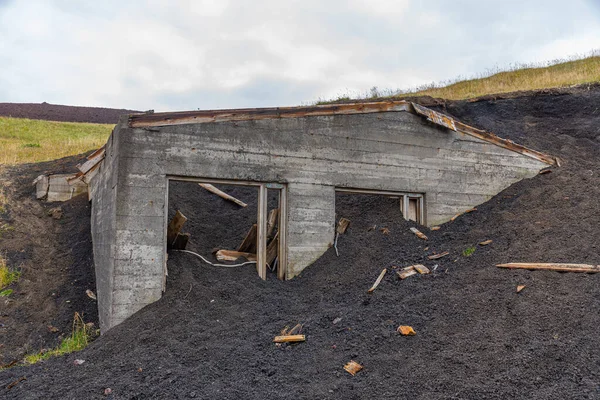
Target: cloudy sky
[{"x": 202, "y": 54}]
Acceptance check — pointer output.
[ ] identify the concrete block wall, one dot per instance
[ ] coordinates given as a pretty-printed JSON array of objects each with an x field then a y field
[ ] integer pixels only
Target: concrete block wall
[{"x": 392, "y": 151}]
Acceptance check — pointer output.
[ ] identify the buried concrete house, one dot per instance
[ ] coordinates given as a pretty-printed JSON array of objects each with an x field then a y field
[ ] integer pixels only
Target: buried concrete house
[{"x": 435, "y": 165}]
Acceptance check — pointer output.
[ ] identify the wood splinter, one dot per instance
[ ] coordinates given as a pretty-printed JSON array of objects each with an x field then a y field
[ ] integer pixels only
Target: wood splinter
[
  {"x": 436, "y": 256},
  {"x": 586, "y": 268},
  {"x": 289, "y": 338},
  {"x": 352, "y": 367},
  {"x": 378, "y": 281},
  {"x": 418, "y": 233},
  {"x": 232, "y": 255}
]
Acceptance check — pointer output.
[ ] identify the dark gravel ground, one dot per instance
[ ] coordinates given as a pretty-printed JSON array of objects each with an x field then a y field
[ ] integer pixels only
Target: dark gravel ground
[
  {"x": 56, "y": 112},
  {"x": 211, "y": 335}
]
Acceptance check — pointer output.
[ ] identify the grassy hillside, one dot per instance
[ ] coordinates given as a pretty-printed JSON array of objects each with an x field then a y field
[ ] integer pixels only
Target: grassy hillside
[
  {"x": 523, "y": 77},
  {"x": 26, "y": 140}
]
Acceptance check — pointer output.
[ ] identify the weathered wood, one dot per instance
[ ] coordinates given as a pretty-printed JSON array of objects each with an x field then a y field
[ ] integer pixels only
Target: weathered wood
[
  {"x": 261, "y": 250},
  {"x": 520, "y": 288},
  {"x": 406, "y": 272},
  {"x": 418, "y": 233},
  {"x": 93, "y": 160},
  {"x": 485, "y": 242},
  {"x": 222, "y": 194},
  {"x": 232, "y": 255},
  {"x": 440, "y": 255},
  {"x": 289, "y": 338},
  {"x": 421, "y": 269},
  {"x": 470, "y": 210},
  {"x": 378, "y": 281},
  {"x": 272, "y": 221},
  {"x": 406, "y": 330},
  {"x": 342, "y": 225},
  {"x": 249, "y": 243},
  {"x": 174, "y": 227},
  {"x": 273, "y": 249},
  {"x": 587, "y": 268},
  {"x": 59, "y": 188},
  {"x": 180, "y": 241},
  {"x": 282, "y": 262},
  {"x": 352, "y": 367}
]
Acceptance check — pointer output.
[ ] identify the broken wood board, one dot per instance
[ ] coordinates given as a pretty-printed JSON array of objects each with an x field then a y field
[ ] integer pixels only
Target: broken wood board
[
  {"x": 222, "y": 194},
  {"x": 465, "y": 212},
  {"x": 93, "y": 160},
  {"x": 272, "y": 221},
  {"x": 421, "y": 269},
  {"x": 418, "y": 233},
  {"x": 273, "y": 250},
  {"x": 175, "y": 226},
  {"x": 436, "y": 256},
  {"x": 232, "y": 255},
  {"x": 289, "y": 338},
  {"x": 520, "y": 287},
  {"x": 249, "y": 243},
  {"x": 485, "y": 242},
  {"x": 406, "y": 330},
  {"x": 406, "y": 272},
  {"x": 435, "y": 228},
  {"x": 586, "y": 268},
  {"x": 378, "y": 281},
  {"x": 342, "y": 225},
  {"x": 352, "y": 367}
]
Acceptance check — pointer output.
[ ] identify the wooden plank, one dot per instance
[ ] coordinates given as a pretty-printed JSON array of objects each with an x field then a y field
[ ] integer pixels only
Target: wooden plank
[
  {"x": 587, "y": 268},
  {"x": 272, "y": 221},
  {"x": 92, "y": 161},
  {"x": 232, "y": 255},
  {"x": 421, "y": 269},
  {"x": 418, "y": 233},
  {"x": 261, "y": 251},
  {"x": 249, "y": 243},
  {"x": 174, "y": 227},
  {"x": 222, "y": 194},
  {"x": 406, "y": 272},
  {"x": 283, "y": 230},
  {"x": 440, "y": 255},
  {"x": 180, "y": 241},
  {"x": 289, "y": 338},
  {"x": 378, "y": 281},
  {"x": 352, "y": 367},
  {"x": 413, "y": 209}
]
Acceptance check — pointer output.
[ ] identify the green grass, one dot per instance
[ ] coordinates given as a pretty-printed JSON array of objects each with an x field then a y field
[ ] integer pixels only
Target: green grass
[
  {"x": 79, "y": 339},
  {"x": 28, "y": 141},
  {"x": 575, "y": 70},
  {"x": 7, "y": 276},
  {"x": 468, "y": 252}
]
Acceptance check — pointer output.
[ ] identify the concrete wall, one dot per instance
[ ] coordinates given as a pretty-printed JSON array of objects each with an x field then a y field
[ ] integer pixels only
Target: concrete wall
[{"x": 394, "y": 151}]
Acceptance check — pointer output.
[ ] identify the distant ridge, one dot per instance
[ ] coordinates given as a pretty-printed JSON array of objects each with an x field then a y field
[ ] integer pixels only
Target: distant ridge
[{"x": 56, "y": 112}]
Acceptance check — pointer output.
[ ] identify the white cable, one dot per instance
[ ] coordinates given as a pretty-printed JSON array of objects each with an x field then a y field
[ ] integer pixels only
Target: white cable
[{"x": 216, "y": 265}]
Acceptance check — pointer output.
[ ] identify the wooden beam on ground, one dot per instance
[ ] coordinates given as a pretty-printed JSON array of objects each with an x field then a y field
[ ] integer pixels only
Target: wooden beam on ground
[
  {"x": 289, "y": 338},
  {"x": 418, "y": 233},
  {"x": 378, "y": 281},
  {"x": 406, "y": 272},
  {"x": 174, "y": 227},
  {"x": 587, "y": 268},
  {"x": 232, "y": 255},
  {"x": 436, "y": 256},
  {"x": 249, "y": 243},
  {"x": 222, "y": 194}
]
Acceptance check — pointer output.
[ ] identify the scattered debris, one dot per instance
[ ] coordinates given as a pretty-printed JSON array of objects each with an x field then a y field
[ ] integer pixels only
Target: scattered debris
[
  {"x": 435, "y": 228},
  {"x": 385, "y": 231},
  {"x": 352, "y": 367},
  {"x": 15, "y": 383},
  {"x": 249, "y": 243},
  {"x": 436, "y": 256},
  {"x": 222, "y": 194},
  {"x": 545, "y": 171},
  {"x": 466, "y": 212},
  {"x": 232, "y": 255},
  {"x": 78, "y": 361},
  {"x": 435, "y": 267},
  {"x": 406, "y": 330},
  {"x": 421, "y": 269},
  {"x": 520, "y": 287},
  {"x": 90, "y": 294},
  {"x": 341, "y": 228},
  {"x": 485, "y": 242},
  {"x": 294, "y": 331},
  {"x": 337, "y": 320},
  {"x": 406, "y": 272},
  {"x": 289, "y": 338},
  {"x": 10, "y": 364},
  {"x": 107, "y": 391},
  {"x": 371, "y": 228},
  {"x": 378, "y": 281},
  {"x": 418, "y": 233},
  {"x": 587, "y": 268}
]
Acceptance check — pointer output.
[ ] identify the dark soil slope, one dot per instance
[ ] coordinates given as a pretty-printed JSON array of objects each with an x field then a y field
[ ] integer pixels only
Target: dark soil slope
[
  {"x": 56, "y": 112},
  {"x": 211, "y": 335}
]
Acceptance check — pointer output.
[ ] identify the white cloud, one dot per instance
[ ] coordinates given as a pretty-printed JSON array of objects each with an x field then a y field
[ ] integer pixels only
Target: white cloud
[{"x": 166, "y": 54}]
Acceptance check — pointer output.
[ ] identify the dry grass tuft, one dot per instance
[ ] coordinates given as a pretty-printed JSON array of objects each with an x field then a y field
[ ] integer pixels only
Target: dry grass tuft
[
  {"x": 29, "y": 141},
  {"x": 7, "y": 276}
]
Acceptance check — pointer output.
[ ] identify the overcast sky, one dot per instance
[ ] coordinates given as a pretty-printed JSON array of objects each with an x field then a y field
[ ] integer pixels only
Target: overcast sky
[{"x": 202, "y": 54}]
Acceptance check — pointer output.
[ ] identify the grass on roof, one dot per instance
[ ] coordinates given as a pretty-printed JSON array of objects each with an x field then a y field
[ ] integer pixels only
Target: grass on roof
[{"x": 29, "y": 141}]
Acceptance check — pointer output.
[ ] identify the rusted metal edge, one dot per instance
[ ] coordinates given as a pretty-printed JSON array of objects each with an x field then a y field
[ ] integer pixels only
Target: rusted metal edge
[{"x": 250, "y": 114}]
